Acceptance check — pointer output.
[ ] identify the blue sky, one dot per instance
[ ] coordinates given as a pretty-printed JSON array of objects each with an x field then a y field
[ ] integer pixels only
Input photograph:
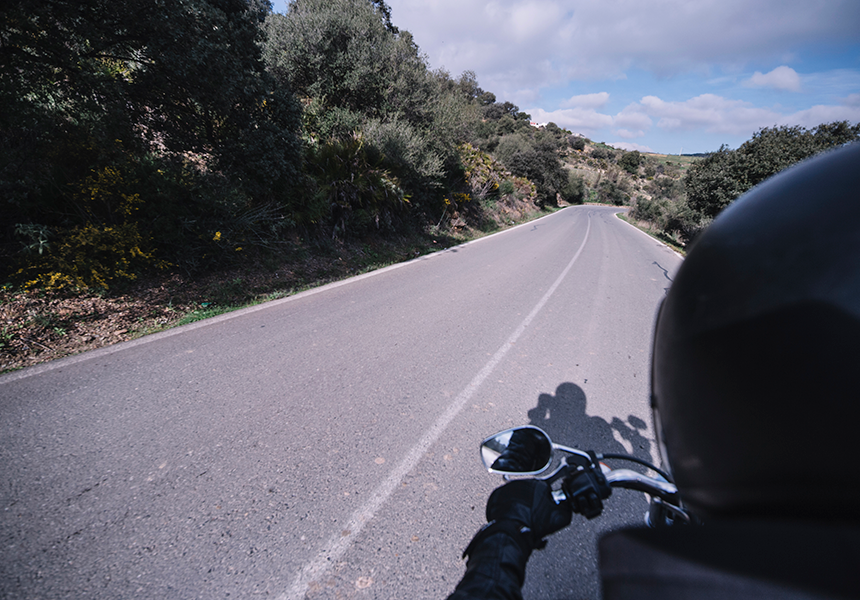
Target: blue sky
[{"x": 655, "y": 75}]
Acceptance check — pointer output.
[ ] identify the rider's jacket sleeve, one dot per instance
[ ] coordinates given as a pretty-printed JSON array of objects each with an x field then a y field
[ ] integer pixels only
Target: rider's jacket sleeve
[{"x": 496, "y": 570}]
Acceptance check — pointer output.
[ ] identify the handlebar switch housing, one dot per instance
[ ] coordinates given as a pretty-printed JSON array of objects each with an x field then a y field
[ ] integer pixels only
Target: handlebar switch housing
[{"x": 587, "y": 489}]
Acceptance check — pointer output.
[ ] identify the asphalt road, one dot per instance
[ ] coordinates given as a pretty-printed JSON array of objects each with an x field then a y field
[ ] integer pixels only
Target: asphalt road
[{"x": 325, "y": 445}]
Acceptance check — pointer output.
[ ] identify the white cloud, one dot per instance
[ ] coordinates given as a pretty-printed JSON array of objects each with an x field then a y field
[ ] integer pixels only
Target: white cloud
[
  {"x": 578, "y": 120},
  {"x": 629, "y": 135},
  {"x": 708, "y": 112},
  {"x": 630, "y": 146},
  {"x": 781, "y": 78},
  {"x": 527, "y": 21},
  {"x": 522, "y": 97},
  {"x": 671, "y": 124},
  {"x": 542, "y": 42},
  {"x": 715, "y": 114},
  {"x": 598, "y": 100},
  {"x": 632, "y": 117},
  {"x": 816, "y": 115}
]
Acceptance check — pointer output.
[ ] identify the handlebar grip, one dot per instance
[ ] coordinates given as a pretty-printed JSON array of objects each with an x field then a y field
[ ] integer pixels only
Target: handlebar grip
[{"x": 631, "y": 480}]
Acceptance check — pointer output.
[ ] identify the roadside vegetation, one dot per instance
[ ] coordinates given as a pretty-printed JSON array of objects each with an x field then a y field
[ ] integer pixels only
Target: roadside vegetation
[
  {"x": 677, "y": 211},
  {"x": 161, "y": 163}
]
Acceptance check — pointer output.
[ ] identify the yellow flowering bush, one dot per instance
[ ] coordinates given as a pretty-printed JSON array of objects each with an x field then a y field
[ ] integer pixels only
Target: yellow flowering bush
[
  {"x": 483, "y": 174},
  {"x": 95, "y": 254},
  {"x": 104, "y": 191},
  {"x": 90, "y": 256}
]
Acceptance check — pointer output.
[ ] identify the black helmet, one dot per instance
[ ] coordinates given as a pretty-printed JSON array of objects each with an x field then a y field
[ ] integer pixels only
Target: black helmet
[{"x": 755, "y": 377}]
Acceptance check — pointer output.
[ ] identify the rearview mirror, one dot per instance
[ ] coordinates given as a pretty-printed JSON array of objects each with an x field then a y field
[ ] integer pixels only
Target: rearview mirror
[{"x": 518, "y": 451}]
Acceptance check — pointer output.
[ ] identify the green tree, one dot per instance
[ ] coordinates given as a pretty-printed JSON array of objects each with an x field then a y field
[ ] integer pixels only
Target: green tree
[
  {"x": 147, "y": 91},
  {"x": 603, "y": 152},
  {"x": 542, "y": 166},
  {"x": 630, "y": 161},
  {"x": 574, "y": 192},
  {"x": 346, "y": 55},
  {"x": 715, "y": 182},
  {"x": 357, "y": 73},
  {"x": 576, "y": 142},
  {"x": 496, "y": 110},
  {"x": 184, "y": 76}
]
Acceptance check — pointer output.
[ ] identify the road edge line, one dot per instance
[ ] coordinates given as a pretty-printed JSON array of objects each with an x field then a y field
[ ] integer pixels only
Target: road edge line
[
  {"x": 650, "y": 237},
  {"x": 66, "y": 361}
]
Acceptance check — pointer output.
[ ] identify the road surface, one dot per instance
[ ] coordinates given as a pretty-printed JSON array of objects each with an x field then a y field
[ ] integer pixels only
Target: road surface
[{"x": 325, "y": 445}]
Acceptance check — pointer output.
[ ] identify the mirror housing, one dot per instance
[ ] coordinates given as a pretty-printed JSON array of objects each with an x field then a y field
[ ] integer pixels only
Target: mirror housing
[{"x": 523, "y": 450}]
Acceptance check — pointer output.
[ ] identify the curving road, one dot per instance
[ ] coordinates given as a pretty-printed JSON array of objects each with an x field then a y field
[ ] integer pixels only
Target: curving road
[{"x": 325, "y": 445}]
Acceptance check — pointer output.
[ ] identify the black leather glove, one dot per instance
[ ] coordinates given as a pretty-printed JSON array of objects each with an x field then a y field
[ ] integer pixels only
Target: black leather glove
[
  {"x": 521, "y": 513},
  {"x": 525, "y": 510},
  {"x": 528, "y": 502}
]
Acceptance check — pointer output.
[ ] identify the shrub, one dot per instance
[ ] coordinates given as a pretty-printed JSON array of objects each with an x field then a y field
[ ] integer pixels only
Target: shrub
[
  {"x": 630, "y": 161},
  {"x": 352, "y": 190},
  {"x": 482, "y": 173},
  {"x": 91, "y": 256},
  {"x": 511, "y": 144},
  {"x": 610, "y": 192},
  {"x": 406, "y": 152},
  {"x": 602, "y": 152},
  {"x": 652, "y": 210},
  {"x": 574, "y": 191},
  {"x": 506, "y": 187}
]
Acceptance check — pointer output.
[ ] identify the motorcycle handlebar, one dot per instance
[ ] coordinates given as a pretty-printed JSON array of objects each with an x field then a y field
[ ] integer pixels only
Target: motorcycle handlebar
[
  {"x": 631, "y": 480},
  {"x": 528, "y": 451},
  {"x": 627, "y": 479}
]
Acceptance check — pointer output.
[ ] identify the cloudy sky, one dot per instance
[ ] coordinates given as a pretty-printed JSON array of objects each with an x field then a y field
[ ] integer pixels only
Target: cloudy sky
[{"x": 655, "y": 75}]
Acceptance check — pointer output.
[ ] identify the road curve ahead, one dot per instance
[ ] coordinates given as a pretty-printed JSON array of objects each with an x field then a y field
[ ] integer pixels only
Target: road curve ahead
[{"x": 325, "y": 445}]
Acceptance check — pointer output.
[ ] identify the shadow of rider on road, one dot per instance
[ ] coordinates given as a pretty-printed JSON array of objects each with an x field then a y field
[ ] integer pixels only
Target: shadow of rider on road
[{"x": 563, "y": 417}]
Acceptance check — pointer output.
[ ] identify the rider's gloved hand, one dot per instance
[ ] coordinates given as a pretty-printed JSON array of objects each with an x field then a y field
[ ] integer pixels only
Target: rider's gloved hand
[
  {"x": 525, "y": 511},
  {"x": 520, "y": 514},
  {"x": 528, "y": 502}
]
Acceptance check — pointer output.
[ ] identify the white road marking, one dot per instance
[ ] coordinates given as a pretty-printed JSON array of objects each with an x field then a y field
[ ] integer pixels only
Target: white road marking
[{"x": 338, "y": 544}]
